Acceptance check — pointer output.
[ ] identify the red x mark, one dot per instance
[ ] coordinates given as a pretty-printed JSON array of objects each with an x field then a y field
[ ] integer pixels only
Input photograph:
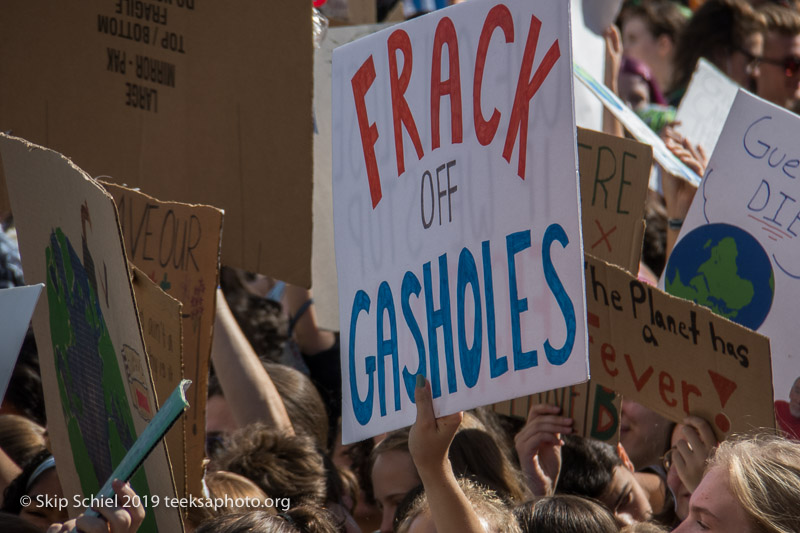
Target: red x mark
[{"x": 604, "y": 235}]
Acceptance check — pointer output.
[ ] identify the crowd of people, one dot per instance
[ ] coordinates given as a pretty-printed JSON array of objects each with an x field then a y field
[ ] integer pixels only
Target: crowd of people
[{"x": 273, "y": 424}]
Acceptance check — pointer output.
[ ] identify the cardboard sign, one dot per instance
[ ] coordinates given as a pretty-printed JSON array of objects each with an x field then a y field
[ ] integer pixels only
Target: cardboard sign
[
  {"x": 458, "y": 241},
  {"x": 704, "y": 107},
  {"x": 736, "y": 252},
  {"x": 675, "y": 357},
  {"x": 614, "y": 176},
  {"x": 594, "y": 409},
  {"x": 323, "y": 264},
  {"x": 95, "y": 375},
  {"x": 636, "y": 127},
  {"x": 205, "y": 102},
  {"x": 16, "y": 308},
  {"x": 160, "y": 315},
  {"x": 177, "y": 245}
]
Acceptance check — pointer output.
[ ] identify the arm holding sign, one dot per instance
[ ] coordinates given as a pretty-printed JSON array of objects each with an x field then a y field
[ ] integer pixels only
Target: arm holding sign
[
  {"x": 613, "y": 41},
  {"x": 245, "y": 382},
  {"x": 538, "y": 446},
  {"x": 429, "y": 442},
  {"x": 310, "y": 338},
  {"x": 679, "y": 193}
]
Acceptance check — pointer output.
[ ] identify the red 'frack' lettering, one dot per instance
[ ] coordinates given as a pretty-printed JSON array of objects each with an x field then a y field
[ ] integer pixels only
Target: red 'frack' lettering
[
  {"x": 499, "y": 17},
  {"x": 526, "y": 88},
  {"x": 361, "y": 82},
  {"x": 446, "y": 34},
  {"x": 401, "y": 113}
]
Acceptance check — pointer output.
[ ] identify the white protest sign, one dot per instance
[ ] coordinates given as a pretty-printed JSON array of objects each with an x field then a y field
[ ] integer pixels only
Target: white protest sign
[
  {"x": 16, "y": 308},
  {"x": 588, "y": 48},
  {"x": 456, "y": 214},
  {"x": 705, "y": 105},
  {"x": 640, "y": 131},
  {"x": 736, "y": 251}
]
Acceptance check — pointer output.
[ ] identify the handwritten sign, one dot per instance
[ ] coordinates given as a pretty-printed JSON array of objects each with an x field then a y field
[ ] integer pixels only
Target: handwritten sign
[
  {"x": 673, "y": 356},
  {"x": 736, "y": 252},
  {"x": 705, "y": 105},
  {"x": 594, "y": 409},
  {"x": 177, "y": 245},
  {"x": 456, "y": 213},
  {"x": 202, "y": 102},
  {"x": 614, "y": 176},
  {"x": 160, "y": 315},
  {"x": 98, "y": 389},
  {"x": 636, "y": 126}
]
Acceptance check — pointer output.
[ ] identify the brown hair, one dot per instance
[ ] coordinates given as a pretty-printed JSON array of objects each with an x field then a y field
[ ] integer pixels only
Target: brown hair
[
  {"x": 283, "y": 466},
  {"x": 783, "y": 20},
  {"x": 484, "y": 501},
  {"x": 663, "y": 17},
  {"x": 303, "y": 402},
  {"x": 764, "y": 476},
  {"x": 21, "y": 438},
  {"x": 300, "y": 519},
  {"x": 565, "y": 512},
  {"x": 718, "y": 27},
  {"x": 475, "y": 454}
]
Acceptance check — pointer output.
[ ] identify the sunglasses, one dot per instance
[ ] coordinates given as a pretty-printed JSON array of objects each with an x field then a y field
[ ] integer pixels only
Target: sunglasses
[{"x": 790, "y": 64}]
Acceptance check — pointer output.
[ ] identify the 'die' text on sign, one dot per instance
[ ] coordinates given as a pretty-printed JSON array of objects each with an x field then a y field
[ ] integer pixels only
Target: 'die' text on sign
[{"x": 456, "y": 215}]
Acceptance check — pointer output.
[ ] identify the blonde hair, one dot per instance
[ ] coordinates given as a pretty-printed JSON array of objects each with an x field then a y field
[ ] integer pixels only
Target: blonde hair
[
  {"x": 764, "y": 477},
  {"x": 221, "y": 484},
  {"x": 485, "y": 502}
]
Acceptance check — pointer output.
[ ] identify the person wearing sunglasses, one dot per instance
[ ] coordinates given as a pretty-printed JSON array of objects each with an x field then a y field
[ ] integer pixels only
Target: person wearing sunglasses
[{"x": 779, "y": 66}]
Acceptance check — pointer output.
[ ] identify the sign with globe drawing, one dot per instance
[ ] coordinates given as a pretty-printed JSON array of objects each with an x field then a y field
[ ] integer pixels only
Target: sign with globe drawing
[
  {"x": 737, "y": 252},
  {"x": 725, "y": 269}
]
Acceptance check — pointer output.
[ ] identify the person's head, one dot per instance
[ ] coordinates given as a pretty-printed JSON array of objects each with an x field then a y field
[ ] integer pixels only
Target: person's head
[
  {"x": 242, "y": 495},
  {"x": 475, "y": 454},
  {"x": 726, "y": 32},
  {"x": 11, "y": 523},
  {"x": 779, "y": 68},
  {"x": 300, "y": 519},
  {"x": 491, "y": 510},
  {"x": 637, "y": 86},
  {"x": 650, "y": 30},
  {"x": 644, "y": 527},
  {"x": 751, "y": 485},
  {"x": 393, "y": 474},
  {"x": 39, "y": 481},
  {"x": 794, "y": 399},
  {"x": 300, "y": 397},
  {"x": 644, "y": 433},
  {"x": 565, "y": 513},
  {"x": 21, "y": 438},
  {"x": 593, "y": 469},
  {"x": 302, "y": 400},
  {"x": 283, "y": 466},
  {"x": 679, "y": 491}
]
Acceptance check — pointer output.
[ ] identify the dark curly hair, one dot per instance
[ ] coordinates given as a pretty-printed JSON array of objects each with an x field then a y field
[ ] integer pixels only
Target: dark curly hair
[{"x": 283, "y": 466}]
